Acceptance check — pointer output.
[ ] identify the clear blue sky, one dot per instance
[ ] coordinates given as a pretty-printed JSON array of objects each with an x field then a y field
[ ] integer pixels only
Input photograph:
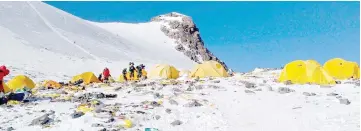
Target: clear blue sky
[{"x": 250, "y": 34}]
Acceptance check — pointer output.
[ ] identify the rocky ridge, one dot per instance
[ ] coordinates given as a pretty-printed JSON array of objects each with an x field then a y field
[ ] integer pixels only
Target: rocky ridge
[{"x": 182, "y": 28}]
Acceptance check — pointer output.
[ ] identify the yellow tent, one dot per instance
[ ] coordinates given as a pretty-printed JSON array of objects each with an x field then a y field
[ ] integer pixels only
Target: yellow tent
[
  {"x": 302, "y": 72},
  {"x": 163, "y": 71},
  {"x": 87, "y": 77},
  {"x": 19, "y": 82},
  {"x": 51, "y": 83},
  {"x": 209, "y": 69},
  {"x": 135, "y": 77},
  {"x": 6, "y": 88},
  {"x": 342, "y": 69}
]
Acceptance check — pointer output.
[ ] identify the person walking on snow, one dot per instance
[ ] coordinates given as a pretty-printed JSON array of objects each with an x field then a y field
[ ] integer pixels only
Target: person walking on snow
[
  {"x": 139, "y": 70},
  {"x": 131, "y": 69}
]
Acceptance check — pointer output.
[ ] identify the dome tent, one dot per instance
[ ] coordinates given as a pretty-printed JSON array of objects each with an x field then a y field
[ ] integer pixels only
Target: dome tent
[
  {"x": 341, "y": 69},
  {"x": 163, "y": 71},
  {"x": 302, "y": 72},
  {"x": 209, "y": 69}
]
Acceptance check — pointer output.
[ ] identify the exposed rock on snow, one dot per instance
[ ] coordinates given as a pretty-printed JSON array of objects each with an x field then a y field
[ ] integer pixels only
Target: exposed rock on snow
[
  {"x": 284, "y": 90},
  {"x": 182, "y": 28},
  {"x": 193, "y": 103},
  {"x": 249, "y": 92},
  {"x": 309, "y": 94},
  {"x": 41, "y": 120},
  {"x": 345, "y": 101},
  {"x": 176, "y": 123}
]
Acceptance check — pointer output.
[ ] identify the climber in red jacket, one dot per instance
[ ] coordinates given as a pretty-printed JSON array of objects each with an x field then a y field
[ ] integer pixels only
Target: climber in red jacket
[
  {"x": 3, "y": 72},
  {"x": 105, "y": 75}
]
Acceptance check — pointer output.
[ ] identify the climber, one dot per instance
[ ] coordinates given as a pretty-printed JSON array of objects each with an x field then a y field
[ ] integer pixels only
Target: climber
[
  {"x": 104, "y": 77},
  {"x": 125, "y": 74},
  {"x": 131, "y": 69},
  {"x": 139, "y": 70},
  {"x": 3, "y": 72}
]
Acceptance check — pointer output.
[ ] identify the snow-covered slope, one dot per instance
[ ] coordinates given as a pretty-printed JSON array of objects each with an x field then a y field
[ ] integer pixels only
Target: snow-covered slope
[{"x": 34, "y": 33}]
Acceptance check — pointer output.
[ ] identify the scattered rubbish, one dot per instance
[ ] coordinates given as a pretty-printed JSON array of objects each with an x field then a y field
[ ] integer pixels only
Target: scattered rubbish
[
  {"x": 345, "y": 101},
  {"x": 151, "y": 129},
  {"x": 168, "y": 111},
  {"x": 309, "y": 94},
  {"x": 193, "y": 103},
  {"x": 284, "y": 90},
  {"x": 76, "y": 115},
  {"x": 249, "y": 92},
  {"x": 332, "y": 94},
  {"x": 42, "y": 120}
]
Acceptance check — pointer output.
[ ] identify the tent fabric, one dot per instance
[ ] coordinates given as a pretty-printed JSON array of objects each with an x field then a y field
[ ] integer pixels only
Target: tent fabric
[
  {"x": 163, "y": 71},
  {"x": 209, "y": 69},
  {"x": 6, "y": 88},
  {"x": 87, "y": 77},
  {"x": 19, "y": 82},
  {"x": 341, "y": 69},
  {"x": 51, "y": 83},
  {"x": 302, "y": 72}
]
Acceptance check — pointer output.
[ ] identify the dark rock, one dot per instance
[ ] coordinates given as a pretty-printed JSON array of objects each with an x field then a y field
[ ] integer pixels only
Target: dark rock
[
  {"x": 216, "y": 81},
  {"x": 140, "y": 85},
  {"x": 176, "y": 123},
  {"x": 158, "y": 96},
  {"x": 76, "y": 115},
  {"x": 97, "y": 125},
  {"x": 157, "y": 117},
  {"x": 249, "y": 92},
  {"x": 194, "y": 103},
  {"x": 168, "y": 111},
  {"x": 332, "y": 94},
  {"x": 284, "y": 90},
  {"x": 345, "y": 101},
  {"x": 42, "y": 120},
  {"x": 140, "y": 112},
  {"x": 104, "y": 129},
  {"x": 309, "y": 94},
  {"x": 10, "y": 129}
]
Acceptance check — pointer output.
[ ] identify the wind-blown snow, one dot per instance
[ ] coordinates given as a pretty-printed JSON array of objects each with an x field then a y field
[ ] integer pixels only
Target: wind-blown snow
[{"x": 34, "y": 33}]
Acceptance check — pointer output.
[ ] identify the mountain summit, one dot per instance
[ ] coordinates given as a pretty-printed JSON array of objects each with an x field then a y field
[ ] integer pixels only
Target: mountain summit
[{"x": 184, "y": 31}]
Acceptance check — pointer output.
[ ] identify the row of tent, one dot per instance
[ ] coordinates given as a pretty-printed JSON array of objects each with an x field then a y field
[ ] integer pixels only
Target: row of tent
[
  {"x": 160, "y": 71},
  {"x": 310, "y": 71},
  {"x": 297, "y": 72}
]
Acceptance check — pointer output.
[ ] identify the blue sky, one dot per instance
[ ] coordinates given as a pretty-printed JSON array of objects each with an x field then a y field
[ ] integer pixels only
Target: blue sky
[{"x": 247, "y": 35}]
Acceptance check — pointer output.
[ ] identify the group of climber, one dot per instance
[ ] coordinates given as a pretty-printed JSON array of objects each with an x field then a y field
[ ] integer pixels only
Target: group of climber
[
  {"x": 139, "y": 69},
  {"x": 105, "y": 75}
]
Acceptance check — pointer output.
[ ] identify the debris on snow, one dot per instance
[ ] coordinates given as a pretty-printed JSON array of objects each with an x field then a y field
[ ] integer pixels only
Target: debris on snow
[
  {"x": 284, "y": 90},
  {"x": 176, "y": 123}
]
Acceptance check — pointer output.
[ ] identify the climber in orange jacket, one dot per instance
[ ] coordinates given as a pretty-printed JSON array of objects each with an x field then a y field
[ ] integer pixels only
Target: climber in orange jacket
[{"x": 3, "y": 72}]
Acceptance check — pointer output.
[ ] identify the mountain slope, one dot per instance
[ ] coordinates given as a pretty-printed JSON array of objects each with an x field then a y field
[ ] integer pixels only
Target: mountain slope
[
  {"x": 34, "y": 33},
  {"x": 179, "y": 30}
]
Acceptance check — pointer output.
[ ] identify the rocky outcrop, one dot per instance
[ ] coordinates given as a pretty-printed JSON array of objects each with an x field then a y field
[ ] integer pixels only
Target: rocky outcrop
[{"x": 182, "y": 28}]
